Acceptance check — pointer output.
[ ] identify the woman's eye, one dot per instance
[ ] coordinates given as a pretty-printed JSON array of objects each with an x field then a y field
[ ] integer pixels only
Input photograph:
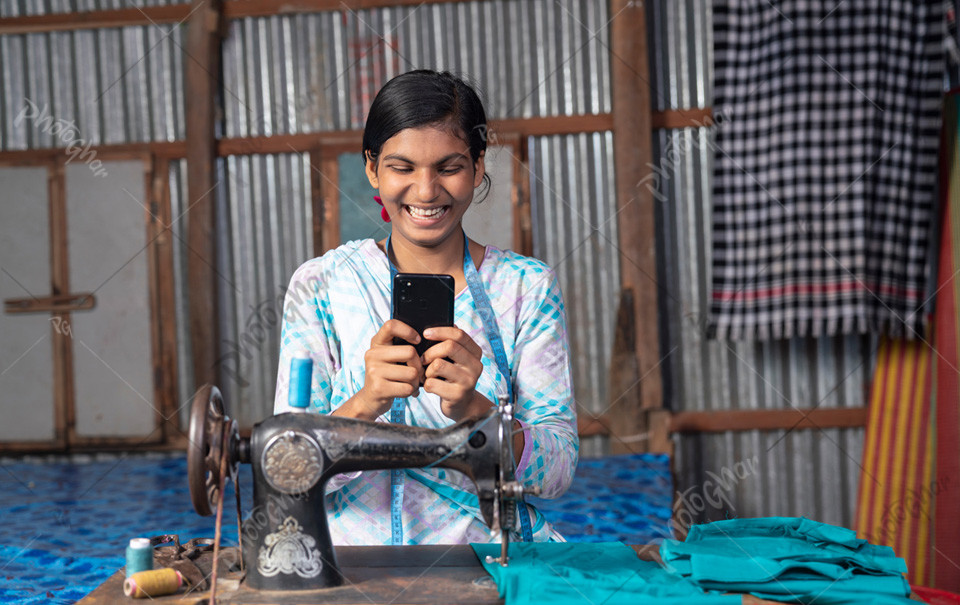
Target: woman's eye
[
  {"x": 448, "y": 170},
  {"x": 402, "y": 169}
]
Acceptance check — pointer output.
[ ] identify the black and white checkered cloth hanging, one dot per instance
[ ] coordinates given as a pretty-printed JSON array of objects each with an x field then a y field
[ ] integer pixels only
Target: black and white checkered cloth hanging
[{"x": 825, "y": 165}]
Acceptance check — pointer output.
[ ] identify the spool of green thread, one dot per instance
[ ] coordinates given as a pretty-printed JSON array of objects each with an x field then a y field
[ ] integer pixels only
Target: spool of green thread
[{"x": 139, "y": 556}]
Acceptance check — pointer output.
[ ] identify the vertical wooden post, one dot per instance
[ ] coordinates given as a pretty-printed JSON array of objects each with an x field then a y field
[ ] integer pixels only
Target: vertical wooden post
[
  {"x": 633, "y": 154},
  {"x": 163, "y": 305},
  {"x": 316, "y": 201},
  {"x": 520, "y": 195},
  {"x": 202, "y": 76},
  {"x": 63, "y": 391},
  {"x": 633, "y": 429},
  {"x": 329, "y": 176}
]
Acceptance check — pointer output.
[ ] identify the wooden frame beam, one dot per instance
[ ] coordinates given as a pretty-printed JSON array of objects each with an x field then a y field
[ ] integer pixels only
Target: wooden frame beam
[
  {"x": 694, "y": 117},
  {"x": 63, "y": 390},
  {"x": 722, "y": 421},
  {"x": 327, "y": 177},
  {"x": 633, "y": 152},
  {"x": 290, "y": 143},
  {"x": 522, "y": 237},
  {"x": 202, "y": 77},
  {"x": 163, "y": 303},
  {"x": 303, "y": 143}
]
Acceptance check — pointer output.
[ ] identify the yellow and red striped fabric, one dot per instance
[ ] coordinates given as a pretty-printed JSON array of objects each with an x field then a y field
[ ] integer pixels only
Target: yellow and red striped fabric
[
  {"x": 946, "y": 343},
  {"x": 911, "y": 454},
  {"x": 896, "y": 501}
]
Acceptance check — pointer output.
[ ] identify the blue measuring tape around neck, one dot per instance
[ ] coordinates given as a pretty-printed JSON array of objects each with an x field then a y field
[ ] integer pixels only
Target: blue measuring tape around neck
[{"x": 398, "y": 410}]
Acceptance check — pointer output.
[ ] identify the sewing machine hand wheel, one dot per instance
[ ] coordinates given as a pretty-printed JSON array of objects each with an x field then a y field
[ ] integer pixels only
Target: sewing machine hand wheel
[{"x": 212, "y": 433}]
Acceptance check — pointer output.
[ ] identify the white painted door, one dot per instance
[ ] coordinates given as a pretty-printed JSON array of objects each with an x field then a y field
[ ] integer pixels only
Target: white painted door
[
  {"x": 112, "y": 353},
  {"x": 26, "y": 339}
]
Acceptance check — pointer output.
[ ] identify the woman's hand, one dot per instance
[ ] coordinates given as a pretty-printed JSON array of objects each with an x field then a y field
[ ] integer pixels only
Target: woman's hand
[
  {"x": 391, "y": 371},
  {"x": 452, "y": 368}
]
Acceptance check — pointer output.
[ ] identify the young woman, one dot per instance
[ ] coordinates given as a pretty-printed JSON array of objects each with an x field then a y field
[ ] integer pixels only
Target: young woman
[{"x": 424, "y": 144}]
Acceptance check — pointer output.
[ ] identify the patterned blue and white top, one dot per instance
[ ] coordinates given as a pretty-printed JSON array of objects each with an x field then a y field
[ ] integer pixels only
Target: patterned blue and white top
[{"x": 334, "y": 306}]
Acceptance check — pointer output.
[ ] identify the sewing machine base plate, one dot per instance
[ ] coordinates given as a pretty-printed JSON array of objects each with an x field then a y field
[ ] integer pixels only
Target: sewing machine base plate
[{"x": 414, "y": 575}]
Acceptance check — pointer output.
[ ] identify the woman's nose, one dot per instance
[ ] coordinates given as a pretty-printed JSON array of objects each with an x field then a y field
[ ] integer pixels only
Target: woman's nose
[{"x": 427, "y": 186}]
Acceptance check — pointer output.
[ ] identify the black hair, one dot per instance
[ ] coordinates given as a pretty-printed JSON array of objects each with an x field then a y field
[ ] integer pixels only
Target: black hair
[{"x": 425, "y": 97}]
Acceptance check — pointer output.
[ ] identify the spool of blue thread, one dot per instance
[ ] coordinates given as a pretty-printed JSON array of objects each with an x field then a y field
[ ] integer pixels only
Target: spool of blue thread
[
  {"x": 301, "y": 371},
  {"x": 139, "y": 556}
]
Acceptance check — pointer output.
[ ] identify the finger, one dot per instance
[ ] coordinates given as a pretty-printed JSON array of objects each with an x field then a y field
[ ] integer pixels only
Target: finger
[
  {"x": 439, "y": 368},
  {"x": 457, "y": 357},
  {"x": 447, "y": 391},
  {"x": 455, "y": 334},
  {"x": 393, "y": 354},
  {"x": 394, "y": 328},
  {"x": 454, "y": 350},
  {"x": 392, "y": 372},
  {"x": 449, "y": 372}
]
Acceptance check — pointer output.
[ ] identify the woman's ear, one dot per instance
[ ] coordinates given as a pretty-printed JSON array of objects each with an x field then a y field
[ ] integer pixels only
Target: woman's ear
[
  {"x": 371, "y": 170},
  {"x": 479, "y": 170}
]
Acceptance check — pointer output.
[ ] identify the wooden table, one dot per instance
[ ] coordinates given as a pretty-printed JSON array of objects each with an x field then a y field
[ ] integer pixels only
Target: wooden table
[{"x": 397, "y": 575}]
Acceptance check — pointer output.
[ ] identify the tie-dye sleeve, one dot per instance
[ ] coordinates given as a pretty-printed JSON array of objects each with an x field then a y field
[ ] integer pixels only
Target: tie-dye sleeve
[
  {"x": 544, "y": 389},
  {"x": 308, "y": 329}
]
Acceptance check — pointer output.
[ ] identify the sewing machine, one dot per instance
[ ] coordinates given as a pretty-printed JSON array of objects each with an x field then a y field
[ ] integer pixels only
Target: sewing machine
[{"x": 286, "y": 538}]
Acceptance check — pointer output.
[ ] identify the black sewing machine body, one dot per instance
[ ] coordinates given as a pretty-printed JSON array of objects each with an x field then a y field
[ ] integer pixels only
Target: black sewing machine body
[{"x": 286, "y": 538}]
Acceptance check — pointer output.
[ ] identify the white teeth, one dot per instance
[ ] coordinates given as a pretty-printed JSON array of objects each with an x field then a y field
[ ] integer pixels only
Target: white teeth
[{"x": 426, "y": 213}]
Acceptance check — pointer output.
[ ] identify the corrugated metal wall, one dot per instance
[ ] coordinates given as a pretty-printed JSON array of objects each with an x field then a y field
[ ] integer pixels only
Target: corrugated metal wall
[
  {"x": 810, "y": 472},
  {"x": 266, "y": 224},
  {"x": 575, "y": 232},
  {"x": 118, "y": 85},
  {"x": 178, "y": 213},
  {"x": 23, "y": 8},
  {"x": 319, "y": 72}
]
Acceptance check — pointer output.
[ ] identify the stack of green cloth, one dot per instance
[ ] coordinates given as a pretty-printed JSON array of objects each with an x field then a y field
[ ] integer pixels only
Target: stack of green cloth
[
  {"x": 792, "y": 560},
  {"x": 610, "y": 573}
]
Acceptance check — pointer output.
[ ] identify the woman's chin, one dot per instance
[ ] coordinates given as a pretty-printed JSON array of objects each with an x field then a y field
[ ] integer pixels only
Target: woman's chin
[{"x": 430, "y": 236}]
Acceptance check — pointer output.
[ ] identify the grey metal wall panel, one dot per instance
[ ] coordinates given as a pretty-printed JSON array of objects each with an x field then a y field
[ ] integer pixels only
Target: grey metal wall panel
[
  {"x": 105, "y": 86},
  {"x": 575, "y": 232},
  {"x": 680, "y": 46},
  {"x": 266, "y": 236},
  {"x": 317, "y": 72},
  {"x": 803, "y": 473},
  {"x": 812, "y": 472},
  {"x": 178, "y": 229},
  {"x": 23, "y": 8}
]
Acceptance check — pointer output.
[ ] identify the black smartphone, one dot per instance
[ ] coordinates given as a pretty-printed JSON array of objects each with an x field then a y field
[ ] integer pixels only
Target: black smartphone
[{"x": 422, "y": 301}]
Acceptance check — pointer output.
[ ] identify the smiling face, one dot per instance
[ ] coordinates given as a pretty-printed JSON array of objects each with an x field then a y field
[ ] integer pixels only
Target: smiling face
[{"x": 426, "y": 180}]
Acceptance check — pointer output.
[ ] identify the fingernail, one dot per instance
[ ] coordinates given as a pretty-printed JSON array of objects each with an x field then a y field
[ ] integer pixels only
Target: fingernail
[{"x": 428, "y": 333}]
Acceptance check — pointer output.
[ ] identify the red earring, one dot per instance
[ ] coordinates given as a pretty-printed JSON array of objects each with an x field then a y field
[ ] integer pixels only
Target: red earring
[{"x": 383, "y": 211}]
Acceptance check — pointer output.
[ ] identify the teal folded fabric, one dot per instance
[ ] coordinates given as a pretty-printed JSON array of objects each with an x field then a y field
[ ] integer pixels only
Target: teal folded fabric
[
  {"x": 559, "y": 573},
  {"x": 793, "y": 560}
]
